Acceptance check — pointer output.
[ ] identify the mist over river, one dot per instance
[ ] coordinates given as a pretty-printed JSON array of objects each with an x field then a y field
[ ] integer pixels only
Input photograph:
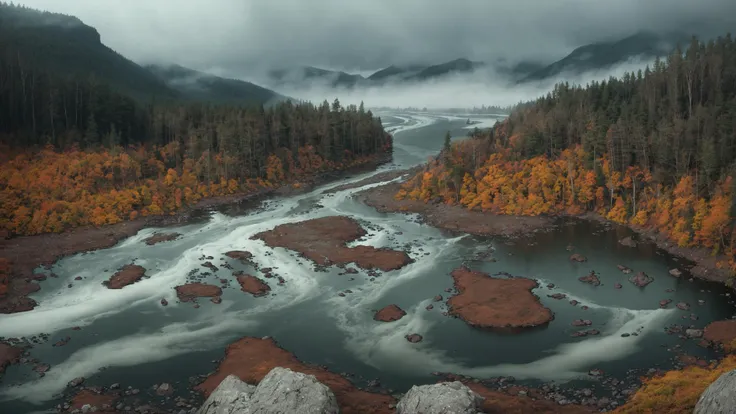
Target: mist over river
[{"x": 127, "y": 337}]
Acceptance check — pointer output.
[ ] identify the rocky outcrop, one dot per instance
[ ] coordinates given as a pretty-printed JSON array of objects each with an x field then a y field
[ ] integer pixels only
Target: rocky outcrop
[
  {"x": 641, "y": 279},
  {"x": 443, "y": 398},
  {"x": 281, "y": 391},
  {"x": 324, "y": 241},
  {"x": 389, "y": 313},
  {"x": 591, "y": 279},
  {"x": 253, "y": 285},
  {"x": 486, "y": 302},
  {"x": 127, "y": 275},
  {"x": 191, "y": 291},
  {"x": 161, "y": 237},
  {"x": 242, "y": 255},
  {"x": 719, "y": 397}
]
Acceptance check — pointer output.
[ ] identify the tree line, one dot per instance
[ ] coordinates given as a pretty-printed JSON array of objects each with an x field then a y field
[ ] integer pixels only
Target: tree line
[{"x": 653, "y": 149}]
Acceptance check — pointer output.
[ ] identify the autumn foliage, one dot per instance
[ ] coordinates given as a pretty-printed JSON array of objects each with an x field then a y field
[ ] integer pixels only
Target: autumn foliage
[
  {"x": 4, "y": 276},
  {"x": 50, "y": 191},
  {"x": 677, "y": 391},
  {"x": 507, "y": 184}
]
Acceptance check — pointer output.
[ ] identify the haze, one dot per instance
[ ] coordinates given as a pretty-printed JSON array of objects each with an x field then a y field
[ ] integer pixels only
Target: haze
[{"x": 241, "y": 39}]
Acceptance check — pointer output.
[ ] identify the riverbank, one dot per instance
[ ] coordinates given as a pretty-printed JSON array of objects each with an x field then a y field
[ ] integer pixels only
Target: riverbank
[
  {"x": 460, "y": 219},
  {"x": 26, "y": 253}
]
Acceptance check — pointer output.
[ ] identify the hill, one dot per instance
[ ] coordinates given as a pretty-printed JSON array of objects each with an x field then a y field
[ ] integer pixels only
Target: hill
[
  {"x": 447, "y": 68},
  {"x": 66, "y": 46},
  {"x": 199, "y": 86},
  {"x": 394, "y": 72},
  {"x": 601, "y": 55},
  {"x": 304, "y": 75}
]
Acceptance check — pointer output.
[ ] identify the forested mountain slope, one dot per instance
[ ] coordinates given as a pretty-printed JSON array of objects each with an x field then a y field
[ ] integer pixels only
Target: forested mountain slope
[{"x": 654, "y": 149}]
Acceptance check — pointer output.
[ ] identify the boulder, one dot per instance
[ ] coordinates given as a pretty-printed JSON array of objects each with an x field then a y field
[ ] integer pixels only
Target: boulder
[
  {"x": 628, "y": 241},
  {"x": 231, "y": 396},
  {"x": 641, "y": 279},
  {"x": 281, "y": 391},
  {"x": 443, "y": 398},
  {"x": 719, "y": 397}
]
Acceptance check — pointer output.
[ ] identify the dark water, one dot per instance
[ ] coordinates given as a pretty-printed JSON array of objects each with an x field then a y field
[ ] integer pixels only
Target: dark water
[{"x": 128, "y": 338}]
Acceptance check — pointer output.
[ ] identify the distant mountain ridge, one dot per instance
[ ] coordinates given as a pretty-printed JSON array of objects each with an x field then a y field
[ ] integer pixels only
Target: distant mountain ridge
[
  {"x": 590, "y": 57},
  {"x": 600, "y": 55}
]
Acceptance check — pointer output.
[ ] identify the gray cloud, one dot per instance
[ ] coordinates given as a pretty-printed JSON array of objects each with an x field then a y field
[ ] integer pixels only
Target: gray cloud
[{"x": 233, "y": 37}]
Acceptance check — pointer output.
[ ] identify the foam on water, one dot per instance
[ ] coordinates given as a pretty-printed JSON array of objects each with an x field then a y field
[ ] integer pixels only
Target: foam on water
[
  {"x": 384, "y": 347},
  {"x": 171, "y": 340}
]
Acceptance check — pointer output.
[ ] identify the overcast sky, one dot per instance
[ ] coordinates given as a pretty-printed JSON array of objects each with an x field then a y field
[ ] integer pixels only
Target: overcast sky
[{"x": 230, "y": 36}]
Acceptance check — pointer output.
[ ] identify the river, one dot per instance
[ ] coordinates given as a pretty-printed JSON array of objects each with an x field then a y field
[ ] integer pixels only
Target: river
[{"x": 127, "y": 337}]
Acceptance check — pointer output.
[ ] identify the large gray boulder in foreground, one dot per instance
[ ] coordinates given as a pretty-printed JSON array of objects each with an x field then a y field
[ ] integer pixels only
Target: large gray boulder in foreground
[
  {"x": 282, "y": 391},
  {"x": 231, "y": 396},
  {"x": 443, "y": 398},
  {"x": 719, "y": 397}
]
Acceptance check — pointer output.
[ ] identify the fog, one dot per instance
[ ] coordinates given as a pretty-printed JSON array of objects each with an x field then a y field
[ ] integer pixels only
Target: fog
[
  {"x": 458, "y": 91},
  {"x": 232, "y": 37}
]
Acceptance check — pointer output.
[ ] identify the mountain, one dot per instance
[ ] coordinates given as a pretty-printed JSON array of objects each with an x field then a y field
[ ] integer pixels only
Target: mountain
[
  {"x": 395, "y": 73},
  {"x": 309, "y": 74},
  {"x": 200, "y": 86},
  {"x": 65, "y": 45},
  {"x": 447, "y": 68},
  {"x": 600, "y": 55}
]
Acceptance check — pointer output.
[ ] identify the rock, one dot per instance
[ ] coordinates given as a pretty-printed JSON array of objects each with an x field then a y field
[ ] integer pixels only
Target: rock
[
  {"x": 161, "y": 237},
  {"x": 414, "y": 338},
  {"x": 253, "y": 285},
  {"x": 241, "y": 255},
  {"x": 574, "y": 302},
  {"x": 127, "y": 275},
  {"x": 232, "y": 396},
  {"x": 641, "y": 279},
  {"x": 164, "y": 302},
  {"x": 62, "y": 341},
  {"x": 557, "y": 296},
  {"x": 719, "y": 397},
  {"x": 591, "y": 278},
  {"x": 281, "y": 391},
  {"x": 581, "y": 322},
  {"x": 429, "y": 307},
  {"x": 486, "y": 302},
  {"x": 324, "y": 241},
  {"x": 624, "y": 269},
  {"x": 448, "y": 397},
  {"x": 164, "y": 389},
  {"x": 618, "y": 286},
  {"x": 210, "y": 266},
  {"x": 628, "y": 242},
  {"x": 694, "y": 333},
  {"x": 676, "y": 272},
  {"x": 191, "y": 291},
  {"x": 683, "y": 306},
  {"x": 75, "y": 382},
  {"x": 576, "y": 257},
  {"x": 664, "y": 302},
  {"x": 437, "y": 298},
  {"x": 389, "y": 313}
]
